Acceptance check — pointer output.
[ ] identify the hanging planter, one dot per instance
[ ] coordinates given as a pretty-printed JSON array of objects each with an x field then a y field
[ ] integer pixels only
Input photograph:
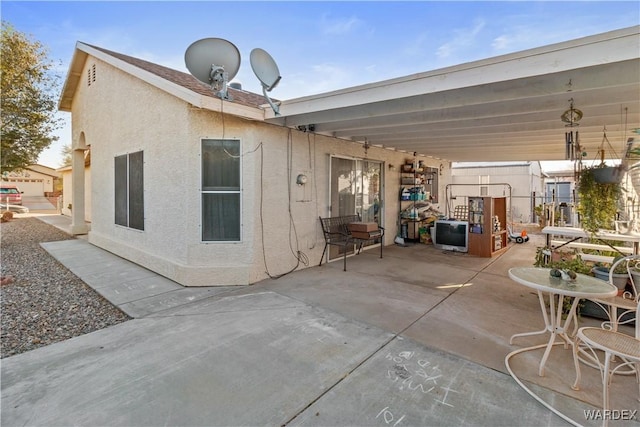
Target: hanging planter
[
  {"x": 607, "y": 174},
  {"x": 599, "y": 192},
  {"x": 604, "y": 174}
]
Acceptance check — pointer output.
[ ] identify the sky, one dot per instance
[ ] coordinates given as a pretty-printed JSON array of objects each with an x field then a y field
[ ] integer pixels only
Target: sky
[{"x": 318, "y": 46}]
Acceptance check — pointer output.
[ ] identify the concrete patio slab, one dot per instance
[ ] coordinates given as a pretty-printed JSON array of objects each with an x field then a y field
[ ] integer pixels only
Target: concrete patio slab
[
  {"x": 409, "y": 384},
  {"x": 238, "y": 366},
  {"x": 137, "y": 291},
  {"x": 375, "y": 299},
  {"x": 316, "y": 347}
]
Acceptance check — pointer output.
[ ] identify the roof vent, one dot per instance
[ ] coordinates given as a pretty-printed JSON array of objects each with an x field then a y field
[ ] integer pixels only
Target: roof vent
[
  {"x": 91, "y": 75},
  {"x": 236, "y": 85}
]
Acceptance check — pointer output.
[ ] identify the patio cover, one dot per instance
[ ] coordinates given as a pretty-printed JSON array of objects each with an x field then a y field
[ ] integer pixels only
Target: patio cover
[{"x": 498, "y": 109}]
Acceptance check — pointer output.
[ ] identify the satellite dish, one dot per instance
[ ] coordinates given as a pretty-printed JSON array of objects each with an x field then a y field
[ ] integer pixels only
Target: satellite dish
[
  {"x": 266, "y": 70},
  {"x": 213, "y": 61}
]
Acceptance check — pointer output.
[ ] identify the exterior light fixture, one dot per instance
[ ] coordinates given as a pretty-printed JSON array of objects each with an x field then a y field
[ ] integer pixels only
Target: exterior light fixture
[{"x": 301, "y": 179}]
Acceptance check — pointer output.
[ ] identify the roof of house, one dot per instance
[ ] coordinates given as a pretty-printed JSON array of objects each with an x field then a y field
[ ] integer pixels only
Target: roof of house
[
  {"x": 37, "y": 168},
  {"x": 186, "y": 80},
  {"x": 173, "y": 81},
  {"x": 506, "y": 108}
]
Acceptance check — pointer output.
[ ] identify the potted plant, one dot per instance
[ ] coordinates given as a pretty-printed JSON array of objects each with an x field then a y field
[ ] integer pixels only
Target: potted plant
[
  {"x": 604, "y": 174},
  {"x": 598, "y": 202},
  {"x": 619, "y": 277},
  {"x": 565, "y": 261}
]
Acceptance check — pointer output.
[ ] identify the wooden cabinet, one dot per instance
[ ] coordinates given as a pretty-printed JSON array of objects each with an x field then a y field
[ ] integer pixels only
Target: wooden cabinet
[{"x": 487, "y": 225}]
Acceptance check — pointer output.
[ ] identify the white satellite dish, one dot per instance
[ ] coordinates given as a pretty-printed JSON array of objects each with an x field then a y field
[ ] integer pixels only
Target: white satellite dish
[
  {"x": 266, "y": 70},
  {"x": 213, "y": 61}
]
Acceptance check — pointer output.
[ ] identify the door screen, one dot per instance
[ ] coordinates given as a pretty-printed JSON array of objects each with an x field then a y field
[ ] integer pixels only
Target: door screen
[{"x": 355, "y": 187}]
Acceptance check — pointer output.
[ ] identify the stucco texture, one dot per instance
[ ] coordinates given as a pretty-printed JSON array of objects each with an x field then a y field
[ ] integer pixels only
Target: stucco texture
[{"x": 119, "y": 114}]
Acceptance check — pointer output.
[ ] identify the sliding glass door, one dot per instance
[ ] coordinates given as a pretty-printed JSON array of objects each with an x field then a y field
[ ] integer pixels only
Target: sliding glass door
[{"x": 355, "y": 188}]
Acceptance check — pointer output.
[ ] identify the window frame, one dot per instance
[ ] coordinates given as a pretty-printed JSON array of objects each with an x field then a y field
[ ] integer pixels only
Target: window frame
[
  {"x": 128, "y": 191},
  {"x": 239, "y": 192}
]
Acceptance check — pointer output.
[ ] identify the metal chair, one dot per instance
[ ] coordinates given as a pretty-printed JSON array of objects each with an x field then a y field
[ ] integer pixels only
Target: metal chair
[
  {"x": 336, "y": 232},
  {"x": 592, "y": 342},
  {"x": 620, "y": 308}
]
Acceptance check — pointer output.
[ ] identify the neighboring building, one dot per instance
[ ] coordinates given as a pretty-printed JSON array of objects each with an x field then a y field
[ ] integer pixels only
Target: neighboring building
[
  {"x": 33, "y": 180},
  {"x": 66, "y": 175},
  {"x": 522, "y": 182},
  {"x": 205, "y": 196},
  {"x": 560, "y": 195}
]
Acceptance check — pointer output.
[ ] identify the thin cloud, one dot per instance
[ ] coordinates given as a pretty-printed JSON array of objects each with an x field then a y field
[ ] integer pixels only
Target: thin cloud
[
  {"x": 520, "y": 37},
  {"x": 339, "y": 26},
  {"x": 526, "y": 37},
  {"x": 318, "y": 78},
  {"x": 463, "y": 39}
]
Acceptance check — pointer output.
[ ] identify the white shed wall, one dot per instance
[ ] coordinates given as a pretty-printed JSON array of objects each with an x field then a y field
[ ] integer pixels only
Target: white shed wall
[{"x": 525, "y": 180}]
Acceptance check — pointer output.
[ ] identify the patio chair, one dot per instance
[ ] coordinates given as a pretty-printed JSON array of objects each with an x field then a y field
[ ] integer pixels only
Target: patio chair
[
  {"x": 620, "y": 308},
  {"x": 337, "y": 233},
  {"x": 591, "y": 342}
]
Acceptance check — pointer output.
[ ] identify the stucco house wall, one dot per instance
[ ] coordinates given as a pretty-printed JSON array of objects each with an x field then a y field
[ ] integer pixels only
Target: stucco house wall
[{"x": 118, "y": 113}]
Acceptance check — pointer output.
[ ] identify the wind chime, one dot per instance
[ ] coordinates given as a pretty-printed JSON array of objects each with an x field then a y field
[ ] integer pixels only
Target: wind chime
[{"x": 571, "y": 117}]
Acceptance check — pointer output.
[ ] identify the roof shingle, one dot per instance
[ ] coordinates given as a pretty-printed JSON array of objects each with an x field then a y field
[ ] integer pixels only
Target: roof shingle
[{"x": 187, "y": 80}]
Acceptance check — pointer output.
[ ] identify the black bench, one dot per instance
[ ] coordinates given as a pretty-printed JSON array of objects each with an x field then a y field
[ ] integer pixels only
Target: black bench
[{"x": 336, "y": 232}]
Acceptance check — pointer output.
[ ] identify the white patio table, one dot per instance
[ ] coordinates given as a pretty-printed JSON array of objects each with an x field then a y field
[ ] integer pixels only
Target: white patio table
[{"x": 557, "y": 290}]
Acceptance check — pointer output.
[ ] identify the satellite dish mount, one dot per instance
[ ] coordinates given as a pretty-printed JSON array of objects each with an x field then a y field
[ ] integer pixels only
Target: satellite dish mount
[
  {"x": 214, "y": 62},
  {"x": 219, "y": 80}
]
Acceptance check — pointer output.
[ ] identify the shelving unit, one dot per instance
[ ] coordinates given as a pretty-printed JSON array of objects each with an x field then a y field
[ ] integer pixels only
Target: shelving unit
[
  {"x": 418, "y": 183},
  {"x": 487, "y": 226}
]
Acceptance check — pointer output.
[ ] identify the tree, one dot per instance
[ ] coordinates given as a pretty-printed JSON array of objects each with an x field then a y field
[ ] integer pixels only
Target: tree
[
  {"x": 28, "y": 89},
  {"x": 66, "y": 153}
]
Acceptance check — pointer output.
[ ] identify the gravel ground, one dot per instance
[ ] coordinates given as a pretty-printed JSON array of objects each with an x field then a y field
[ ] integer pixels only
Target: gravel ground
[{"x": 46, "y": 303}]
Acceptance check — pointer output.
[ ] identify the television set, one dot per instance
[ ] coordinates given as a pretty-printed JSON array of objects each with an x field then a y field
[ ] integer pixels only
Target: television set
[{"x": 450, "y": 235}]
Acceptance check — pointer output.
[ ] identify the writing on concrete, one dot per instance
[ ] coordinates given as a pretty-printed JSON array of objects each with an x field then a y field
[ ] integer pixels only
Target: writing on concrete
[
  {"x": 388, "y": 417},
  {"x": 415, "y": 374}
]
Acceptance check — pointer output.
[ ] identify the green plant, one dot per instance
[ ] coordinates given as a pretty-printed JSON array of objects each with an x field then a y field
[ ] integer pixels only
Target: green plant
[
  {"x": 571, "y": 261},
  {"x": 539, "y": 211},
  {"x": 598, "y": 203}
]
